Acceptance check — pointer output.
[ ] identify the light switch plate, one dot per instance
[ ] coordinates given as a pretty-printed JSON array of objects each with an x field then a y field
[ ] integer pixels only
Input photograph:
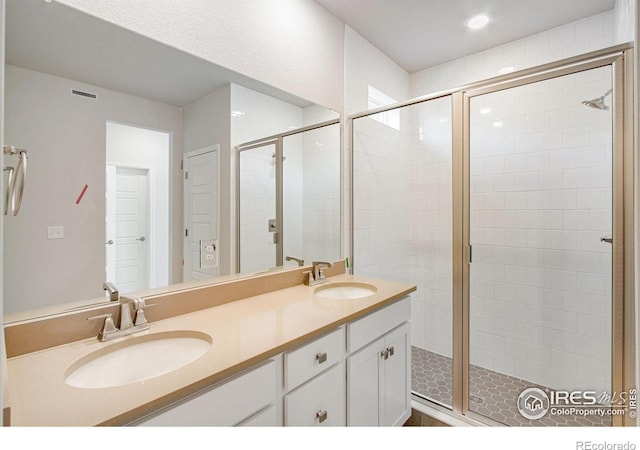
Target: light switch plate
[
  {"x": 208, "y": 253},
  {"x": 55, "y": 232}
]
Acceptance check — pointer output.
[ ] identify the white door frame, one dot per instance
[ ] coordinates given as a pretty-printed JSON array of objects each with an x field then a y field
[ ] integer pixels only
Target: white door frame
[{"x": 186, "y": 242}]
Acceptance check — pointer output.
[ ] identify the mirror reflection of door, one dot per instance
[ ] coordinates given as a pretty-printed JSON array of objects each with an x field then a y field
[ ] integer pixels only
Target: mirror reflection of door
[
  {"x": 201, "y": 213},
  {"x": 137, "y": 207},
  {"x": 127, "y": 225}
]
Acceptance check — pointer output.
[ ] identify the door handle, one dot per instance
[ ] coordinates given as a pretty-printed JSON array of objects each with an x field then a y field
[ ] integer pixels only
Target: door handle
[
  {"x": 607, "y": 239},
  {"x": 141, "y": 239}
]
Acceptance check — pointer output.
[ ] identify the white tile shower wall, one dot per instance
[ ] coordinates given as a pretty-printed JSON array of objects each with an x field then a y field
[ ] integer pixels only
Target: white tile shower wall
[
  {"x": 431, "y": 224},
  {"x": 381, "y": 170},
  {"x": 540, "y": 201},
  {"x": 321, "y": 194},
  {"x": 381, "y": 195}
]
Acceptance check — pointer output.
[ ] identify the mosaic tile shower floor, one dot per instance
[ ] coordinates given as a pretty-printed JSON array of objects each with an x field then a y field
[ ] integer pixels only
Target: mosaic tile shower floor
[{"x": 492, "y": 394}]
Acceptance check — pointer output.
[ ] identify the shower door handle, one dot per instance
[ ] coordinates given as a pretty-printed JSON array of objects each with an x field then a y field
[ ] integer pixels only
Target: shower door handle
[{"x": 607, "y": 239}]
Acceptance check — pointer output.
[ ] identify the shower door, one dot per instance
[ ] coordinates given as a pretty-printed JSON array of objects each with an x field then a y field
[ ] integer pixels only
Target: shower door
[{"x": 539, "y": 247}]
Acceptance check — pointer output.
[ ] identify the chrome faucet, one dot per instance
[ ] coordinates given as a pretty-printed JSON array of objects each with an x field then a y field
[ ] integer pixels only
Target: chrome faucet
[
  {"x": 298, "y": 260},
  {"x": 316, "y": 274},
  {"x": 111, "y": 288},
  {"x": 132, "y": 320}
]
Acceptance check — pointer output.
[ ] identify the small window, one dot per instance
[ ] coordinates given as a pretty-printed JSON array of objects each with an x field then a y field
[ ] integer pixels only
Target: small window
[{"x": 378, "y": 99}]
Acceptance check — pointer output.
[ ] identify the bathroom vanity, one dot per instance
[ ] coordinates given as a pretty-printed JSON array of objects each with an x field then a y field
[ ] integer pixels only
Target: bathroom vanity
[{"x": 291, "y": 356}]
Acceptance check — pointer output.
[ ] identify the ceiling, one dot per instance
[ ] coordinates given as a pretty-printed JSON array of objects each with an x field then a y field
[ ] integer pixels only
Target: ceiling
[
  {"x": 62, "y": 41},
  {"x": 418, "y": 34}
]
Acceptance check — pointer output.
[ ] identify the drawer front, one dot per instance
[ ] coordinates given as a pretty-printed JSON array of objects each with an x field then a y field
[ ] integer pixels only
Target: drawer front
[
  {"x": 313, "y": 358},
  {"x": 225, "y": 405},
  {"x": 376, "y": 324},
  {"x": 320, "y": 402}
]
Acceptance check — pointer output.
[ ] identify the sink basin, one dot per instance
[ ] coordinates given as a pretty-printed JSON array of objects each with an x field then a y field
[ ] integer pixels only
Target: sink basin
[
  {"x": 345, "y": 291},
  {"x": 137, "y": 359}
]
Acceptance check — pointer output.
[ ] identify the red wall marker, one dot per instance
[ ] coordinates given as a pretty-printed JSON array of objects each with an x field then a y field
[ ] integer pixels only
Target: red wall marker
[{"x": 84, "y": 189}]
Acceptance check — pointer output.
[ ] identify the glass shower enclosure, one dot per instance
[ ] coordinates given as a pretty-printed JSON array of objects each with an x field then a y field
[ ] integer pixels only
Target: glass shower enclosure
[{"x": 504, "y": 202}]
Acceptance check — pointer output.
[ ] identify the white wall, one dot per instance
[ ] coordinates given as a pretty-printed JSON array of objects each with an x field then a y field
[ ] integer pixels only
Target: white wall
[
  {"x": 66, "y": 138},
  {"x": 208, "y": 122},
  {"x": 129, "y": 146},
  {"x": 294, "y": 45},
  {"x": 625, "y": 20}
]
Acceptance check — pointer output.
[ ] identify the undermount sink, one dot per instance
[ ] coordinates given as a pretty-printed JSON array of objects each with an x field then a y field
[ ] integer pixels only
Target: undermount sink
[
  {"x": 137, "y": 359},
  {"x": 345, "y": 291}
]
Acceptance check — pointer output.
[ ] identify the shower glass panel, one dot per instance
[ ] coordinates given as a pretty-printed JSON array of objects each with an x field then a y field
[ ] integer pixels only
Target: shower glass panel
[
  {"x": 402, "y": 203},
  {"x": 540, "y": 201},
  {"x": 257, "y": 206},
  {"x": 311, "y": 196}
]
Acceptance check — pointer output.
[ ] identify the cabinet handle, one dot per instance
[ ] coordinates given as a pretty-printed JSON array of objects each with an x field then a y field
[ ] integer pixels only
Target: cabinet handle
[
  {"x": 384, "y": 354},
  {"x": 321, "y": 357},
  {"x": 390, "y": 350},
  {"x": 321, "y": 415}
]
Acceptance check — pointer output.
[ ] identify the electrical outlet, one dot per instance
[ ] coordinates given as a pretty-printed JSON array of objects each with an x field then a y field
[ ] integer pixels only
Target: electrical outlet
[
  {"x": 55, "y": 232},
  {"x": 208, "y": 253}
]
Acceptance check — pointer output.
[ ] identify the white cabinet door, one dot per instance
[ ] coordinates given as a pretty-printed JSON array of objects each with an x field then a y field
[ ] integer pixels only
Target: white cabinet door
[
  {"x": 396, "y": 377},
  {"x": 378, "y": 386},
  {"x": 363, "y": 375}
]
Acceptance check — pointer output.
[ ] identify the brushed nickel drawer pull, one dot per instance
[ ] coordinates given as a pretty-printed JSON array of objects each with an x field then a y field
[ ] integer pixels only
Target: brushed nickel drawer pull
[
  {"x": 321, "y": 415},
  {"x": 390, "y": 350},
  {"x": 384, "y": 354},
  {"x": 321, "y": 357}
]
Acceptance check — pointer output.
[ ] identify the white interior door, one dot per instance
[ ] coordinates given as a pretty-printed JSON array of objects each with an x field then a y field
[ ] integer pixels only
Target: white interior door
[
  {"x": 201, "y": 213},
  {"x": 127, "y": 239}
]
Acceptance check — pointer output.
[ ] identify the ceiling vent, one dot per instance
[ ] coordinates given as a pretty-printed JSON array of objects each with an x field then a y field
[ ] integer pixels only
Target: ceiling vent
[{"x": 83, "y": 94}]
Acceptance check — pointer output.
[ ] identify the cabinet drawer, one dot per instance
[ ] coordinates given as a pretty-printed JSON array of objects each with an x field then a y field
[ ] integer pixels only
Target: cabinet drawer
[
  {"x": 225, "y": 405},
  {"x": 371, "y": 327},
  {"x": 320, "y": 402},
  {"x": 311, "y": 359}
]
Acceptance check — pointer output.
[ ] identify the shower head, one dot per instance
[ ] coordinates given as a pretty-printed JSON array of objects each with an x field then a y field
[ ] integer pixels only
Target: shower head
[{"x": 598, "y": 103}]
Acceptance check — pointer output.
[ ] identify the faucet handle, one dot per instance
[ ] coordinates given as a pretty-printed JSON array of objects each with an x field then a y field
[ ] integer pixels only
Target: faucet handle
[
  {"x": 108, "y": 328},
  {"x": 140, "y": 317},
  {"x": 319, "y": 267},
  {"x": 309, "y": 277}
]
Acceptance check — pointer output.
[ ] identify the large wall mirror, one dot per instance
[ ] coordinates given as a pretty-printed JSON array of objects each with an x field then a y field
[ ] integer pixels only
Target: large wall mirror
[{"x": 131, "y": 163}]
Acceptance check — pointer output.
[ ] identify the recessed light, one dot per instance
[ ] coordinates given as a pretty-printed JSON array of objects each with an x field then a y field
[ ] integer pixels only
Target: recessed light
[
  {"x": 498, "y": 123},
  {"x": 485, "y": 110},
  {"x": 478, "y": 21},
  {"x": 506, "y": 70}
]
